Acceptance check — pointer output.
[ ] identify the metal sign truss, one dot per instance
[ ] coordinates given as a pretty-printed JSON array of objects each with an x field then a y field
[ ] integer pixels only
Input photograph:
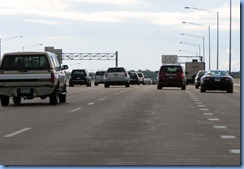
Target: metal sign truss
[
  {"x": 184, "y": 59},
  {"x": 91, "y": 56}
]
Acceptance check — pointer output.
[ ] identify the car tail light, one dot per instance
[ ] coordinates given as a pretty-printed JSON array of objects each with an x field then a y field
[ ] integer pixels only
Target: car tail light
[
  {"x": 206, "y": 79},
  {"x": 227, "y": 79},
  {"x": 183, "y": 75},
  {"x": 52, "y": 78}
]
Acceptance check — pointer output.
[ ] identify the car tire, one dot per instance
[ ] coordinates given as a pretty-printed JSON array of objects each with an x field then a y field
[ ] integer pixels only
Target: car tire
[
  {"x": 71, "y": 84},
  {"x": 5, "y": 101},
  {"x": 127, "y": 85},
  {"x": 17, "y": 100},
  {"x": 196, "y": 87},
  {"x": 53, "y": 99},
  {"x": 230, "y": 90},
  {"x": 159, "y": 87},
  {"x": 203, "y": 90},
  {"x": 106, "y": 86},
  {"x": 96, "y": 84},
  {"x": 183, "y": 88}
]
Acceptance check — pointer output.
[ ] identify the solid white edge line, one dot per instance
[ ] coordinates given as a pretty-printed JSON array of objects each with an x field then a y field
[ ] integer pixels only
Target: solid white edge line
[{"x": 17, "y": 132}]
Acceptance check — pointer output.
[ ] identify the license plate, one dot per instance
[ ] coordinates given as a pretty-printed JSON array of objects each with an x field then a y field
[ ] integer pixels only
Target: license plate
[
  {"x": 217, "y": 79},
  {"x": 25, "y": 90}
]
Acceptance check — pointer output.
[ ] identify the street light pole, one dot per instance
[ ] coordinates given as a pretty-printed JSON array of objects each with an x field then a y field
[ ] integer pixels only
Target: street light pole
[
  {"x": 203, "y": 44},
  {"x": 188, "y": 51},
  {"x": 217, "y": 29},
  {"x": 208, "y": 26},
  {"x": 1, "y": 40},
  {"x": 23, "y": 47},
  {"x": 230, "y": 37},
  {"x": 199, "y": 46}
]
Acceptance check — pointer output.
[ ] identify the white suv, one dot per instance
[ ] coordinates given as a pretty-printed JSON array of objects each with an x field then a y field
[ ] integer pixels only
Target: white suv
[{"x": 117, "y": 76}]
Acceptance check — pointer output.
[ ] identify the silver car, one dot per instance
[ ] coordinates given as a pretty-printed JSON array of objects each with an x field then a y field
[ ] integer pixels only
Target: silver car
[
  {"x": 99, "y": 77},
  {"x": 116, "y": 76}
]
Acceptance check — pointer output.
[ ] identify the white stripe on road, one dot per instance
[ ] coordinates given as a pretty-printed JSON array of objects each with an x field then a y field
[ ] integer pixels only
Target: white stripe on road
[
  {"x": 219, "y": 127},
  {"x": 213, "y": 119},
  {"x": 235, "y": 151},
  {"x": 76, "y": 109},
  {"x": 208, "y": 114},
  {"x": 228, "y": 137},
  {"x": 204, "y": 109},
  {"x": 102, "y": 99},
  {"x": 89, "y": 104},
  {"x": 17, "y": 132}
]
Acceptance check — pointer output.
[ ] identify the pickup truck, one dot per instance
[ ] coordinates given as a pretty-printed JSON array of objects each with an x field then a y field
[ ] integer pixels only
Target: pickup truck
[{"x": 28, "y": 75}]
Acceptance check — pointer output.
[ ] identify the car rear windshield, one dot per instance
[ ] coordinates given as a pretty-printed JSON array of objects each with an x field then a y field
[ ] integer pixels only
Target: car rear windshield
[
  {"x": 78, "y": 72},
  {"x": 171, "y": 69},
  {"x": 25, "y": 62},
  {"x": 100, "y": 73},
  {"x": 116, "y": 70}
]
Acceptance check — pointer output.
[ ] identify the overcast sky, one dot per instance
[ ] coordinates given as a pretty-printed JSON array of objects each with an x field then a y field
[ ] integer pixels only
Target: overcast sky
[{"x": 140, "y": 30}]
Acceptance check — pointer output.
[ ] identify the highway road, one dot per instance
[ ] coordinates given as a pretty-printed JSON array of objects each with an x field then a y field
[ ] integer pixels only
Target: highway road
[{"x": 139, "y": 125}]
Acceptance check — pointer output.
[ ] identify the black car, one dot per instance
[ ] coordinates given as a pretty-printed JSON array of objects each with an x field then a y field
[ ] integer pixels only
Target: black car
[
  {"x": 198, "y": 77},
  {"x": 81, "y": 77},
  {"x": 134, "y": 78},
  {"x": 217, "y": 80}
]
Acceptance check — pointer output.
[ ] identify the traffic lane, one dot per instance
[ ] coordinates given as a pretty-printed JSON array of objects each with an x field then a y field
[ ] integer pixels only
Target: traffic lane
[
  {"x": 127, "y": 135},
  {"x": 225, "y": 107},
  {"x": 48, "y": 119}
]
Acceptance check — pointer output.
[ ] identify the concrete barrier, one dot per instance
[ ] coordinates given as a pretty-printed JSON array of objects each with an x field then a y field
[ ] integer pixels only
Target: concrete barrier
[{"x": 237, "y": 82}]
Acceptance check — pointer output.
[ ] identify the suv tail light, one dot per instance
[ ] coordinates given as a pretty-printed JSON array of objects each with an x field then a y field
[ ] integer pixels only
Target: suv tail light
[{"x": 182, "y": 75}]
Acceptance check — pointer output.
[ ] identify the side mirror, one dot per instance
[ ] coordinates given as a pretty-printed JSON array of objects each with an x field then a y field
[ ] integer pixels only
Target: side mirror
[
  {"x": 65, "y": 67},
  {"x": 186, "y": 72}
]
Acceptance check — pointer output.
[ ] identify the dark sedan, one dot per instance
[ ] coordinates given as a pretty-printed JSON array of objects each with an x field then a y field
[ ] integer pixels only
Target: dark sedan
[
  {"x": 198, "y": 78},
  {"x": 217, "y": 80}
]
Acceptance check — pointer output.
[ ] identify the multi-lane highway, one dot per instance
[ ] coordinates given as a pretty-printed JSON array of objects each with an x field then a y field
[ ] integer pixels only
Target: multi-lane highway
[{"x": 139, "y": 125}]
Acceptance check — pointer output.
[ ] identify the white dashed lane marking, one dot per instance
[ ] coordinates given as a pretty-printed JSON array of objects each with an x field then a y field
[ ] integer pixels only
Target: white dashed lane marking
[
  {"x": 227, "y": 137},
  {"x": 235, "y": 151},
  {"x": 220, "y": 127},
  {"x": 208, "y": 114},
  {"x": 76, "y": 109},
  {"x": 89, "y": 104},
  {"x": 17, "y": 132},
  {"x": 213, "y": 119}
]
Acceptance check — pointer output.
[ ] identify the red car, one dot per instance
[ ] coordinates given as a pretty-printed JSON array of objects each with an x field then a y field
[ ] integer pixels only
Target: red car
[{"x": 171, "y": 76}]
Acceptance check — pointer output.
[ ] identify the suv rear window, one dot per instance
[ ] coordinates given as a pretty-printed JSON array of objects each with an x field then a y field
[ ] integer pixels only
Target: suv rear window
[
  {"x": 171, "y": 69},
  {"x": 26, "y": 62},
  {"x": 116, "y": 70},
  {"x": 100, "y": 73}
]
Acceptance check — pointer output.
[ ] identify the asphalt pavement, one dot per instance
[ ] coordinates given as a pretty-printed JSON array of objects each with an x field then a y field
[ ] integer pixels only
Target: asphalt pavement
[{"x": 139, "y": 125}]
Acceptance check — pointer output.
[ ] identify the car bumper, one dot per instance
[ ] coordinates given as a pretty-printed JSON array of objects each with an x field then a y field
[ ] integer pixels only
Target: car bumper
[
  {"x": 217, "y": 86},
  {"x": 26, "y": 91}
]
